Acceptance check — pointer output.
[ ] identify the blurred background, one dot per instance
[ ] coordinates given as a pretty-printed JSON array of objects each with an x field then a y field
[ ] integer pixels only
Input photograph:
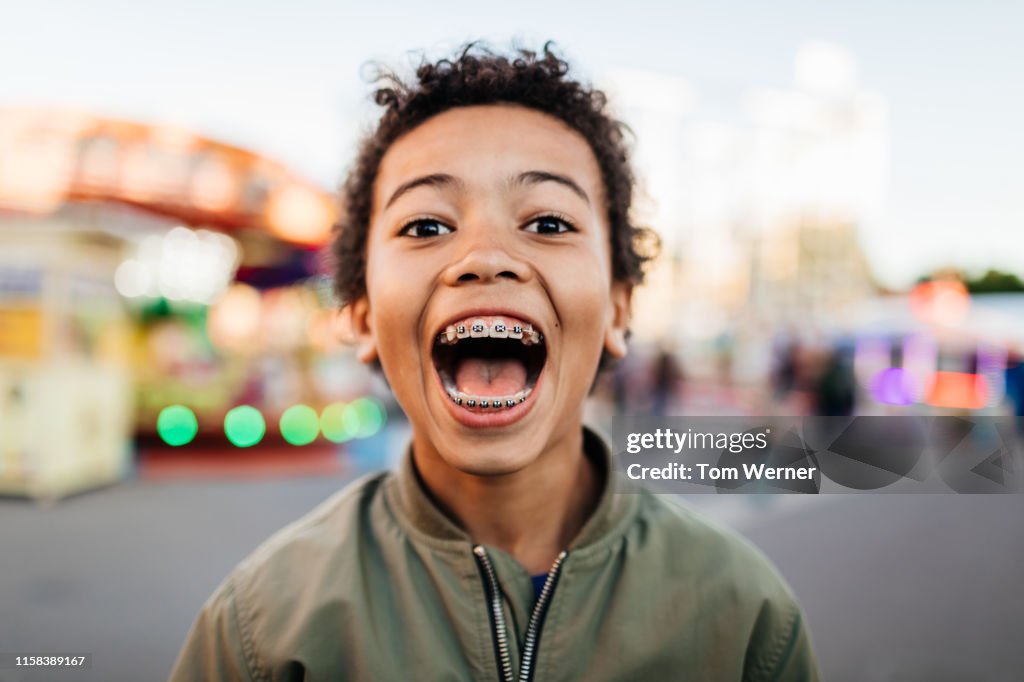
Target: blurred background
[{"x": 839, "y": 194}]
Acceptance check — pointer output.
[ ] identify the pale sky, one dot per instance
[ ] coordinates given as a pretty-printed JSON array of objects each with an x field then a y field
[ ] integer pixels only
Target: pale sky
[{"x": 284, "y": 79}]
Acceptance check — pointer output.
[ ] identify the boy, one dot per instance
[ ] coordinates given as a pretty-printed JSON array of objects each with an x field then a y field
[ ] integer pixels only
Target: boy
[{"x": 487, "y": 262}]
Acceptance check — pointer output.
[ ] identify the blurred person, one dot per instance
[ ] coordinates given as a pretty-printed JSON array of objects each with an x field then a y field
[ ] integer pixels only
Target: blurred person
[
  {"x": 836, "y": 385},
  {"x": 1014, "y": 376},
  {"x": 785, "y": 367},
  {"x": 487, "y": 262},
  {"x": 668, "y": 377},
  {"x": 620, "y": 388},
  {"x": 626, "y": 377}
]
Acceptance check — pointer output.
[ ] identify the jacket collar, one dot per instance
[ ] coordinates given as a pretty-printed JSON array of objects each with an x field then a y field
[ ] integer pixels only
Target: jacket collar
[{"x": 420, "y": 510}]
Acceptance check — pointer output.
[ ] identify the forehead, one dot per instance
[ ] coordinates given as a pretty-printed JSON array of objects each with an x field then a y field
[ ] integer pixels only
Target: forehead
[{"x": 474, "y": 143}]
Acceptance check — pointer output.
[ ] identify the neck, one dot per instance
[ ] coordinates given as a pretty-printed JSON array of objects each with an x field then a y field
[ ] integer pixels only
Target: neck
[{"x": 532, "y": 514}]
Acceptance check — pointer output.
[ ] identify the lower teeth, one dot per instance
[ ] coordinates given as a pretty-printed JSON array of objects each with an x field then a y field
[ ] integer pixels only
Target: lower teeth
[{"x": 499, "y": 403}]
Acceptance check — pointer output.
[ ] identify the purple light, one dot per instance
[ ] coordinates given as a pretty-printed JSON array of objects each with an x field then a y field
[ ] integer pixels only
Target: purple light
[
  {"x": 871, "y": 354},
  {"x": 892, "y": 386},
  {"x": 920, "y": 357},
  {"x": 992, "y": 365}
]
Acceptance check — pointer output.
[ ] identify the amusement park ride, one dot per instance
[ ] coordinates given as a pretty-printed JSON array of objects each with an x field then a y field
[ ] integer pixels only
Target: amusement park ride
[{"x": 98, "y": 219}]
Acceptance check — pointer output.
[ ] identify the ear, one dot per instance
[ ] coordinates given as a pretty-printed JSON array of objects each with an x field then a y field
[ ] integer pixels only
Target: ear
[
  {"x": 362, "y": 330},
  {"x": 618, "y": 323}
]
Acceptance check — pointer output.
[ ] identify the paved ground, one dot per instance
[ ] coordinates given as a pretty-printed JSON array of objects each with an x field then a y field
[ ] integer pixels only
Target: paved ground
[{"x": 895, "y": 588}]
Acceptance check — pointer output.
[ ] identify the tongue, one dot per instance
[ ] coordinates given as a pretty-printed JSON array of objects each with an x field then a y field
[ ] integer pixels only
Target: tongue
[{"x": 490, "y": 376}]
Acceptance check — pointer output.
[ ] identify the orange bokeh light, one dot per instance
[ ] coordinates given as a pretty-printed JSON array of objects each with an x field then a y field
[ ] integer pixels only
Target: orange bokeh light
[
  {"x": 299, "y": 214},
  {"x": 958, "y": 391},
  {"x": 940, "y": 302}
]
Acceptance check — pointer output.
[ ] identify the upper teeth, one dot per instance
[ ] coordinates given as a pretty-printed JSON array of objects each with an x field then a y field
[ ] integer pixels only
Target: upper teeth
[{"x": 495, "y": 328}]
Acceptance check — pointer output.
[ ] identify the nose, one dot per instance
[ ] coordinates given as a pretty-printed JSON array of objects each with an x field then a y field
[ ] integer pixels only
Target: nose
[{"x": 483, "y": 257}]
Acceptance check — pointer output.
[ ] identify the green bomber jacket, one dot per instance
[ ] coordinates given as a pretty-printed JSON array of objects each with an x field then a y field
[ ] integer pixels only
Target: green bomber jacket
[{"x": 378, "y": 584}]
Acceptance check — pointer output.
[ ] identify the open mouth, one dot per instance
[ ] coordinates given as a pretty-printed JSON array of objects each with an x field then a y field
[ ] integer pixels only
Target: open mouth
[{"x": 489, "y": 364}]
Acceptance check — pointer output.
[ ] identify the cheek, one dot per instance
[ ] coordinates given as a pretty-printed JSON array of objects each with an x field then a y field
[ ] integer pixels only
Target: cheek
[
  {"x": 583, "y": 295},
  {"x": 584, "y": 311},
  {"x": 395, "y": 302}
]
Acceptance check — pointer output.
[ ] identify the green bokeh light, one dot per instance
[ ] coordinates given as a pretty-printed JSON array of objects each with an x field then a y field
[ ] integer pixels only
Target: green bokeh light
[
  {"x": 369, "y": 417},
  {"x": 244, "y": 426},
  {"x": 333, "y": 423},
  {"x": 300, "y": 425},
  {"x": 361, "y": 418},
  {"x": 177, "y": 425}
]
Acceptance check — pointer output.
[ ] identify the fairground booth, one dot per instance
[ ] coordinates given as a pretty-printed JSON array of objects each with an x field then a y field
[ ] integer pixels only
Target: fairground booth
[{"x": 161, "y": 289}]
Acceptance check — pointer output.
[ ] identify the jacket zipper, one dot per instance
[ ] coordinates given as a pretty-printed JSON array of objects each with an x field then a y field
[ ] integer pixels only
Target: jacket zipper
[{"x": 499, "y": 629}]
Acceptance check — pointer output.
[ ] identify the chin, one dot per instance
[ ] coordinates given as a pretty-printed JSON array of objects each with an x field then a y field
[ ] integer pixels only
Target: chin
[{"x": 490, "y": 459}]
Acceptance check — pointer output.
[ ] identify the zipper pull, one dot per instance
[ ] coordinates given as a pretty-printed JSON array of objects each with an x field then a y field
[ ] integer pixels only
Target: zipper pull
[{"x": 499, "y": 630}]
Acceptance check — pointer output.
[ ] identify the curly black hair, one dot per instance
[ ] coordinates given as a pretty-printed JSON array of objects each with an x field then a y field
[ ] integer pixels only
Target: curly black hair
[{"x": 478, "y": 76}]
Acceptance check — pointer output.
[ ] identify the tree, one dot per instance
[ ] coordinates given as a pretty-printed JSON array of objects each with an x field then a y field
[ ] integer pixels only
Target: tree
[{"x": 994, "y": 281}]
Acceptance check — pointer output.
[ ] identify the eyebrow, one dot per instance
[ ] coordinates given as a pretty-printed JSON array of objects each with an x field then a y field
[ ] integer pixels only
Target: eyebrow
[
  {"x": 533, "y": 177},
  {"x": 536, "y": 177},
  {"x": 432, "y": 180}
]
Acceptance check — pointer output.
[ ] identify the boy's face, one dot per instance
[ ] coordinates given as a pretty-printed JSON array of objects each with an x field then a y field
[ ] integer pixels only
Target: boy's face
[{"x": 486, "y": 220}]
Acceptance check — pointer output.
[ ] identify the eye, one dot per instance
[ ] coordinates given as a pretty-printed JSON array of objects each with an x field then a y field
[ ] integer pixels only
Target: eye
[
  {"x": 549, "y": 224},
  {"x": 425, "y": 227}
]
